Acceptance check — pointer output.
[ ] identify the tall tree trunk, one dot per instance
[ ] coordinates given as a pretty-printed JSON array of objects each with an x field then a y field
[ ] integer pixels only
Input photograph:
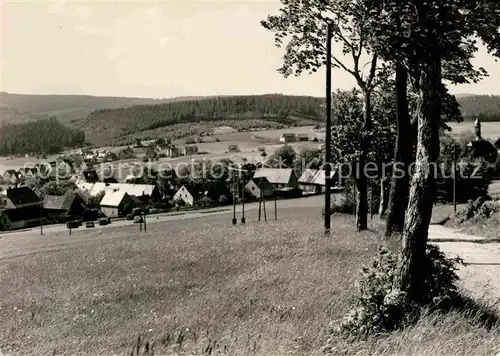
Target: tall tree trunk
[
  {"x": 408, "y": 276},
  {"x": 382, "y": 210},
  {"x": 400, "y": 183},
  {"x": 361, "y": 179}
]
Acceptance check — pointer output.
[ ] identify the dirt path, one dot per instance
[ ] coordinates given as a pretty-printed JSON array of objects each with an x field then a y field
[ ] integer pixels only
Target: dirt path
[{"x": 481, "y": 275}]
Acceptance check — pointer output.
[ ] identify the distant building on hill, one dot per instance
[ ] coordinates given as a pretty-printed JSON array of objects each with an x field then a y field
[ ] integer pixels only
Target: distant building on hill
[
  {"x": 190, "y": 150},
  {"x": 172, "y": 151},
  {"x": 303, "y": 137},
  {"x": 288, "y": 137}
]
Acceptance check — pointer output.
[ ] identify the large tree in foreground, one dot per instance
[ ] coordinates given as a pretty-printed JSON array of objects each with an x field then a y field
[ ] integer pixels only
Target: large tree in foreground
[
  {"x": 432, "y": 37},
  {"x": 302, "y": 24}
]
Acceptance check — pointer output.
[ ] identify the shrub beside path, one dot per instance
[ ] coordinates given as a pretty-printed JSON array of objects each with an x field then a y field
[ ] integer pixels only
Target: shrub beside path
[{"x": 481, "y": 274}]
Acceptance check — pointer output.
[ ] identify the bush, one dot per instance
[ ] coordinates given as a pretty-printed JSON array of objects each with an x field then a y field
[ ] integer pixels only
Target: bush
[
  {"x": 378, "y": 309},
  {"x": 480, "y": 209}
]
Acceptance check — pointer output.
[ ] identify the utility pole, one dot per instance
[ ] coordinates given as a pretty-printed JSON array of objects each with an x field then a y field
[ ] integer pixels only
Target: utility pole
[
  {"x": 328, "y": 128},
  {"x": 454, "y": 180},
  {"x": 41, "y": 219},
  {"x": 262, "y": 201},
  {"x": 243, "y": 201},
  {"x": 234, "y": 197},
  {"x": 275, "y": 207},
  {"x": 144, "y": 212}
]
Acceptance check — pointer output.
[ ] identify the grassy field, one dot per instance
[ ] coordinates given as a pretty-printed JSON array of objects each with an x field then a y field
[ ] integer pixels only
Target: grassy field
[
  {"x": 270, "y": 287},
  {"x": 489, "y": 130},
  {"x": 185, "y": 286}
]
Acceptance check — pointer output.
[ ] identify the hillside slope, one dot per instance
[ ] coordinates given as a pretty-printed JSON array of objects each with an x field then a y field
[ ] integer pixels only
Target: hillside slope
[
  {"x": 44, "y": 135},
  {"x": 118, "y": 120},
  {"x": 68, "y": 108},
  {"x": 486, "y": 107},
  {"x": 120, "y": 126}
]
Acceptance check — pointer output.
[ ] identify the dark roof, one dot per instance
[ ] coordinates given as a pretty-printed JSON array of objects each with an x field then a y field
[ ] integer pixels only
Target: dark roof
[
  {"x": 483, "y": 149},
  {"x": 59, "y": 202},
  {"x": 13, "y": 172},
  {"x": 25, "y": 213},
  {"x": 22, "y": 195},
  {"x": 27, "y": 170}
]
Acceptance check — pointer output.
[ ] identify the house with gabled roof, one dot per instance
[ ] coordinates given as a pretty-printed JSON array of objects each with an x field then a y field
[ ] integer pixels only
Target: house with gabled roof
[
  {"x": 117, "y": 203},
  {"x": 313, "y": 180},
  {"x": 21, "y": 208},
  {"x": 11, "y": 176},
  {"x": 189, "y": 194},
  {"x": 280, "y": 178},
  {"x": 150, "y": 191},
  {"x": 58, "y": 207},
  {"x": 257, "y": 186}
]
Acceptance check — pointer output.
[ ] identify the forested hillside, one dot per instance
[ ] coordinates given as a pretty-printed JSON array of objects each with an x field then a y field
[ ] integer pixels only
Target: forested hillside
[
  {"x": 68, "y": 108},
  {"x": 241, "y": 112},
  {"x": 115, "y": 120},
  {"x": 486, "y": 107},
  {"x": 46, "y": 135}
]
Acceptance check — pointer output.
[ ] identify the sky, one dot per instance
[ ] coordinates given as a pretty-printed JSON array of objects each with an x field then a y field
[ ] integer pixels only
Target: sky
[{"x": 158, "y": 49}]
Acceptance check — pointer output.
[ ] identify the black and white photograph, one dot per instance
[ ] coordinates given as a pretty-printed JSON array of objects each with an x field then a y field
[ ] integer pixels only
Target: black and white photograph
[{"x": 250, "y": 177}]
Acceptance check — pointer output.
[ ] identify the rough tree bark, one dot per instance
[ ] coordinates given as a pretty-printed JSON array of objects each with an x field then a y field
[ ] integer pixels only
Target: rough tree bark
[
  {"x": 400, "y": 183},
  {"x": 408, "y": 276},
  {"x": 382, "y": 209},
  {"x": 361, "y": 179}
]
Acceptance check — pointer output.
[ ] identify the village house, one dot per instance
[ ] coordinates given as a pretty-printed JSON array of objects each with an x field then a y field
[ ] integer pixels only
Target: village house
[
  {"x": 256, "y": 185},
  {"x": 288, "y": 137},
  {"x": 22, "y": 208},
  {"x": 117, "y": 203},
  {"x": 59, "y": 207},
  {"x": 172, "y": 151},
  {"x": 11, "y": 176},
  {"x": 303, "y": 137},
  {"x": 279, "y": 178},
  {"x": 142, "y": 191},
  {"x": 312, "y": 181},
  {"x": 189, "y": 194},
  {"x": 189, "y": 150},
  {"x": 90, "y": 175}
]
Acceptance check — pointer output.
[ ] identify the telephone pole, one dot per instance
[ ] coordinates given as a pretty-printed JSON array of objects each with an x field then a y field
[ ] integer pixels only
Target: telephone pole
[
  {"x": 328, "y": 128},
  {"x": 454, "y": 179}
]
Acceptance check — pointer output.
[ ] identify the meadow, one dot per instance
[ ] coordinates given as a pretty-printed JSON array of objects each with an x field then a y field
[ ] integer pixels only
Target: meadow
[
  {"x": 203, "y": 286},
  {"x": 489, "y": 130}
]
